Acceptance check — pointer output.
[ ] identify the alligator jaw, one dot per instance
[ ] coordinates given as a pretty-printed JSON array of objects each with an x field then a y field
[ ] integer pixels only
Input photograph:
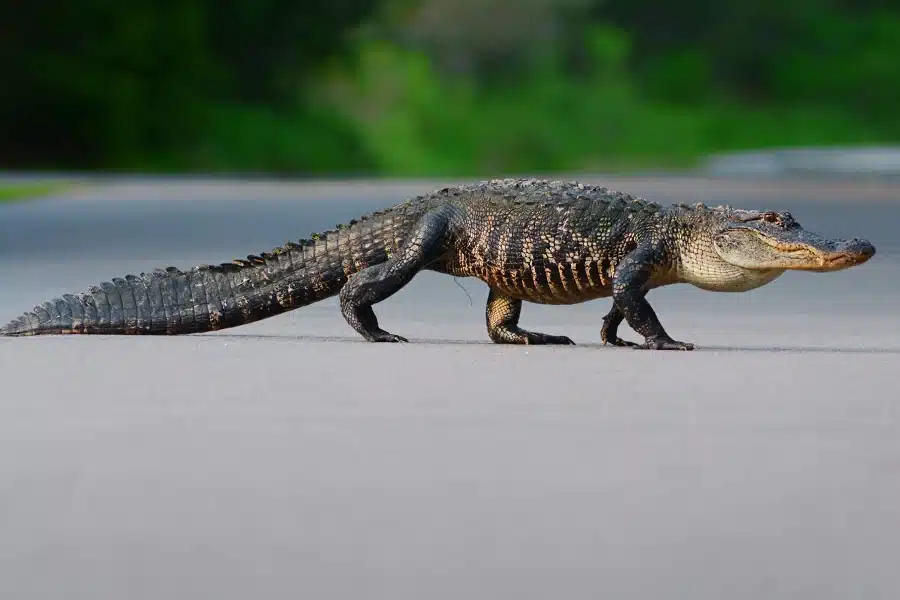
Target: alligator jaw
[
  {"x": 812, "y": 253},
  {"x": 795, "y": 249}
]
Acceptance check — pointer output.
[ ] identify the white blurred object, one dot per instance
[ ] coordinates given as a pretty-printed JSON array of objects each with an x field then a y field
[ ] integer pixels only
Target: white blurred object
[{"x": 877, "y": 161}]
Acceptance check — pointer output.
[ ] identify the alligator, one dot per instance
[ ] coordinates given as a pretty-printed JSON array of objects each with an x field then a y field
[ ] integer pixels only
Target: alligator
[{"x": 529, "y": 240}]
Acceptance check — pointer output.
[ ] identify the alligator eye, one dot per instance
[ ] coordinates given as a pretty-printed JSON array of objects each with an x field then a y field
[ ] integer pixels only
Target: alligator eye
[{"x": 770, "y": 217}]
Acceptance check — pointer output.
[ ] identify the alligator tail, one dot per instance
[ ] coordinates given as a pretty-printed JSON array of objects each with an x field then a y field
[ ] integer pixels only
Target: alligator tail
[{"x": 205, "y": 298}]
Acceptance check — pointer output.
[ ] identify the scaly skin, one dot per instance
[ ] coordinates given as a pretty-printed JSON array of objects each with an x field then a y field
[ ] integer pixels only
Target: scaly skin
[
  {"x": 214, "y": 297},
  {"x": 529, "y": 240}
]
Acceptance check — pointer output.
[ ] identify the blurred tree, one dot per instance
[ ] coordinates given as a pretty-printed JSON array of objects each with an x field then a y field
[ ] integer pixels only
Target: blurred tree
[
  {"x": 231, "y": 83},
  {"x": 106, "y": 83},
  {"x": 839, "y": 52},
  {"x": 268, "y": 46},
  {"x": 854, "y": 63},
  {"x": 493, "y": 41}
]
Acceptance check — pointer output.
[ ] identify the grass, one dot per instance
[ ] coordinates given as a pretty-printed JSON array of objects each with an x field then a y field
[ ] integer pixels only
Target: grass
[{"x": 19, "y": 191}]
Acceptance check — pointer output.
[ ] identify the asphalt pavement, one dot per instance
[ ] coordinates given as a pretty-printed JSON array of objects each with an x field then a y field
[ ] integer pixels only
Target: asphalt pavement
[{"x": 289, "y": 459}]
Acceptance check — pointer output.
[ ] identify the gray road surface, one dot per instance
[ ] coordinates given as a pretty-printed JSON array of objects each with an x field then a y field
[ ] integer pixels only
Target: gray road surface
[{"x": 288, "y": 459}]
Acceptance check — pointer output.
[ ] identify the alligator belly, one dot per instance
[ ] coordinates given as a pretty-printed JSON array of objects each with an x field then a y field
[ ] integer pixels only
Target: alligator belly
[{"x": 559, "y": 283}]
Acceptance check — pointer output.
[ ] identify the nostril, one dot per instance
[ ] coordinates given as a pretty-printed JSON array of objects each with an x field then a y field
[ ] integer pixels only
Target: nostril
[
  {"x": 864, "y": 247},
  {"x": 857, "y": 246}
]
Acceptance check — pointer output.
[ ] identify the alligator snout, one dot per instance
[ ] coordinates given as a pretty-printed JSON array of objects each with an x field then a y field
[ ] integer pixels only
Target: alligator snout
[
  {"x": 860, "y": 247},
  {"x": 846, "y": 253}
]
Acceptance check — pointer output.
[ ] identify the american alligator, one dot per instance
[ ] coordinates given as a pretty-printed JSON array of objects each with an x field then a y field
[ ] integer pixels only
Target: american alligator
[{"x": 548, "y": 242}]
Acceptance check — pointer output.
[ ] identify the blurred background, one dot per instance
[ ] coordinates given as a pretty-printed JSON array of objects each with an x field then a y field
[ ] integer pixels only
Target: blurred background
[{"x": 438, "y": 87}]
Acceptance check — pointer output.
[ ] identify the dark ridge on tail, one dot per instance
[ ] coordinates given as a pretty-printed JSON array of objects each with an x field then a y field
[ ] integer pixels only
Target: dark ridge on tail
[
  {"x": 212, "y": 297},
  {"x": 174, "y": 302}
]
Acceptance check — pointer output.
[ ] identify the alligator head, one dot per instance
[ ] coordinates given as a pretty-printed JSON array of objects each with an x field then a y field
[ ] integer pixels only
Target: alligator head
[
  {"x": 771, "y": 240},
  {"x": 744, "y": 249}
]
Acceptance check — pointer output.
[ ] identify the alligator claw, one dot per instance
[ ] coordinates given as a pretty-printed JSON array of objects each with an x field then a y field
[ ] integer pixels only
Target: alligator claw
[
  {"x": 389, "y": 337},
  {"x": 610, "y": 329},
  {"x": 617, "y": 341},
  {"x": 540, "y": 339},
  {"x": 664, "y": 345}
]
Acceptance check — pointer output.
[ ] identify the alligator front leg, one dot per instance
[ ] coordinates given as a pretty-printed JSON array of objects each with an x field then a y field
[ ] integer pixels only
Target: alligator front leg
[
  {"x": 379, "y": 282},
  {"x": 609, "y": 333},
  {"x": 628, "y": 293},
  {"x": 502, "y": 316}
]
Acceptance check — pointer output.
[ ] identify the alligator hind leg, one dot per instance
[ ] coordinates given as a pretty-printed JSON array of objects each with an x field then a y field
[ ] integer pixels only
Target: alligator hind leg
[
  {"x": 379, "y": 282},
  {"x": 502, "y": 316}
]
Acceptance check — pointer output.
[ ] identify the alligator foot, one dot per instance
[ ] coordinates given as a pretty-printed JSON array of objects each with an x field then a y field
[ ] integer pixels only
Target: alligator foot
[
  {"x": 617, "y": 341},
  {"x": 545, "y": 339},
  {"x": 515, "y": 335},
  {"x": 610, "y": 329},
  {"x": 664, "y": 344},
  {"x": 632, "y": 275},
  {"x": 384, "y": 336},
  {"x": 502, "y": 317}
]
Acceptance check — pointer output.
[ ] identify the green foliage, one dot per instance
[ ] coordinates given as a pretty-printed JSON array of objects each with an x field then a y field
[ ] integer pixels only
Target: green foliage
[
  {"x": 683, "y": 77},
  {"x": 303, "y": 141},
  {"x": 767, "y": 52},
  {"x": 18, "y": 191},
  {"x": 438, "y": 87},
  {"x": 101, "y": 83},
  {"x": 855, "y": 63},
  {"x": 416, "y": 121},
  {"x": 114, "y": 85}
]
